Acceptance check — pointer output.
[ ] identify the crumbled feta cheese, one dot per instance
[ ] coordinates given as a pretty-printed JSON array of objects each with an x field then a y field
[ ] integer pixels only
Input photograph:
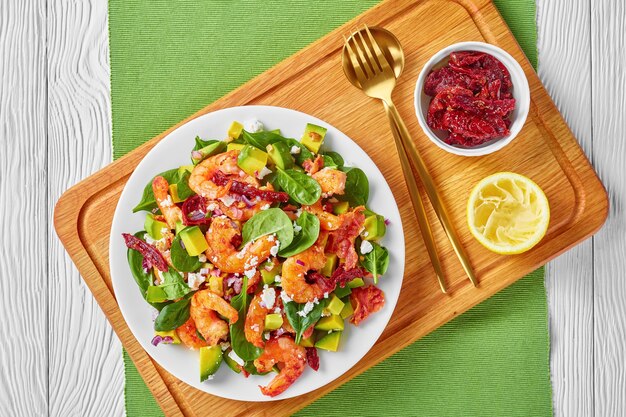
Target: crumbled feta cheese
[
  {"x": 274, "y": 249},
  {"x": 298, "y": 212},
  {"x": 265, "y": 206},
  {"x": 296, "y": 227},
  {"x": 277, "y": 279},
  {"x": 366, "y": 247},
  {"x": 159, "y": 277},
  {"x": 165, "y": 230},
  {"x": 265, "y": 171},
  {"x": 204, "y": 271},
  {"x": 227, "y": 200},
  {"x": 194, "y": 280},
  {"x": 266, "y": 336},
  {"x": 250, "y": 272},
  {"x": 167, "y": 202},
  {"x": 202, "y": 257},
  {"x": 236, "y": 358},
  {"x": 224, "y": 345},
  {"x": 295, "y": 150},
  {"x": 276, "y": 310},
  {"x": 366, "y": 233},
  {"x": 285, "y": 297},
  {"x": 149, "y": 240},
  {"x": 271, "y": 238},
  {"x": 325, "y": 295},
  {"x": 307, "y": 309},
  {"x": 253, "y": 125},
  {"x": 268, "y": 297}
]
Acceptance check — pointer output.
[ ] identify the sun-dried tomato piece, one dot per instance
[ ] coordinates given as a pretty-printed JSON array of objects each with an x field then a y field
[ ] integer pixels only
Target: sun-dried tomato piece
[
  {"x": 480, "y": 106},
  {"x": 312, "y": 359},
  {"x": 195, "y": 211},
  {"x": 151, "y": 255},
  {"x": 477, "y": 129},
  {"x": 249, "y": 191},
  {"x": 365, "y": 301}
]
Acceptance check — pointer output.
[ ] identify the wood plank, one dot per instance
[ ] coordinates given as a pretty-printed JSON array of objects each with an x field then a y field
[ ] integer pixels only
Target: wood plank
[
  {"x": 569, "y": 278},
  {"x": 546, "y": 150},
  {"x": 86, "y": 376},
  {"x": 608, "y": 44},
  {"x": 23, "y": 204}
]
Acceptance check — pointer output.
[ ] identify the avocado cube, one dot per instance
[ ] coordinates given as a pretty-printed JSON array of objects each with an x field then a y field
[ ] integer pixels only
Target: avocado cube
[
  {"x": 154, "y": 227},
  {"x": 210, "y": 361},
  {"x": 169, "y": 333},
  {"x": 216, "y": 285},
  {"x": 273, "y": 321},
  {"x": 179, "y": 226},
  {"x": 335, "y": 305},
  {"x": 174, "y": 193},
  {"x": 231, "y": 362},
  {"x": 269, "y": 270},
  {"x": 183, "y": 168},
  {"x": 356, "y": 283},
  {"x": 341, "y": 207},
  {"x": 194, "y": 240},
  {"x": 252, "y": 160},
  {"x": 329, "y": 342},
  {"x": 347, "y": 310},
  {"x": 308, "y": 342},
  {"x": 279, "y": 154},
  {"x": 235, "y": 146},
  {"x": 341, "y": 292},
  {"x": 209, "y": 150},
  {"x": 374, "y": 227},
  {"x": 235, "y": 129},
  {"x": 313, "y": 137},
  {"x": 330, "y": 265},
  {"x": 155, "y": 294},
  {"x": 332, "y": 322}
]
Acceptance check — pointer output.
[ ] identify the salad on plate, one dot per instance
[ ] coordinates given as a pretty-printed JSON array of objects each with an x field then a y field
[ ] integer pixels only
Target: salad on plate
[{"x": 258, "y": 252}]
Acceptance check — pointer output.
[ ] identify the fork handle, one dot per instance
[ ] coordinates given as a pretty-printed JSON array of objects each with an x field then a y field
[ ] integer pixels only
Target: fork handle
[
  {"x": 418, "y": 163},
  {"x": 418, "y": 204}
]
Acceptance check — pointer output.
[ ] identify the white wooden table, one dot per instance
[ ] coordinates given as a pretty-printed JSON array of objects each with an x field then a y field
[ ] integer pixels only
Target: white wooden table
[{"x": 58, "y": 354}]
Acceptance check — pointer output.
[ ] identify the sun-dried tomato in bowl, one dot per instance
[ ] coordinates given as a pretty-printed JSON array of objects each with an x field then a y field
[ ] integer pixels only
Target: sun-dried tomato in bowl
[{"x": 471, "y": 98}]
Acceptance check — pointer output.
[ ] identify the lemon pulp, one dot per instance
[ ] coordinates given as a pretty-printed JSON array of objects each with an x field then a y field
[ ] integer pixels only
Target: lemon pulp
[{"x": 508, "y": 213}]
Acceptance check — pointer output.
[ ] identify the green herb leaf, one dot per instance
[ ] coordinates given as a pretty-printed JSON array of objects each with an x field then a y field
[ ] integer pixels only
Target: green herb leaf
[
  {"x": 173, "y": 284},
  {"x": 376, "y": 261},
  {"x": 173, "y": 315},
  {"x": 173, "y": 176},
  {"x": 142, "y": 278},
  {"x": 300, "y": 187},
  {"x": 261, "y": 139},
  {"x": 266, "y": 222},
  {"x": 244, "y": 349},
  {"x": 181, "y": 259},
  {"x": 307, "y": 236},
  {"x": 357, "y": 187},
  {"x": 299, "y": 323}
]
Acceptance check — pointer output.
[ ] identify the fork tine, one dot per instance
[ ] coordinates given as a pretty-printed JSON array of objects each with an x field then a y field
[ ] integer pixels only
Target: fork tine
[
  {"x": 368, "y": 54},
  {"x": 355, "y": 62},
  {"x": 369, "y": 70},
  {"x": 382, "y": 59}
]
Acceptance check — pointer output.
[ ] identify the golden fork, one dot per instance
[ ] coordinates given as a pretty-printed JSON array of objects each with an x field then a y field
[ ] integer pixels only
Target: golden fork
[{"x": 377, "y": 80}]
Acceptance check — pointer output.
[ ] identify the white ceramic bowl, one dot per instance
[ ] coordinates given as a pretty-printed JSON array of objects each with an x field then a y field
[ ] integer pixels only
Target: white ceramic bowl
[{"x": 520, "y": 91}]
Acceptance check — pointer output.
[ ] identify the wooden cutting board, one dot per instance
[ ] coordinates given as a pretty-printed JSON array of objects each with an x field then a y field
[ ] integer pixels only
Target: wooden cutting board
[{"x": 312, "y": 81}]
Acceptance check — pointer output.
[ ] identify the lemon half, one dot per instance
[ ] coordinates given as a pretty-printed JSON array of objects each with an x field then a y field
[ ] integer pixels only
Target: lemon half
[{"x": 508, "y": 213}]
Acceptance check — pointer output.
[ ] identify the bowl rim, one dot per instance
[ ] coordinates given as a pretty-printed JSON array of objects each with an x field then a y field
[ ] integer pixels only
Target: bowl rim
[{"x": 522, "y": 97}]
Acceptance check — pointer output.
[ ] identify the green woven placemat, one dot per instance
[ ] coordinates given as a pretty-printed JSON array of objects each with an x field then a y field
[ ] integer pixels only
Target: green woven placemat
[{"x": 171, "y": 58}]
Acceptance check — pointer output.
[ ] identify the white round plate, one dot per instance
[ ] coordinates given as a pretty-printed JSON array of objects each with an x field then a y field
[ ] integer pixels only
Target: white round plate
[{"x": 173, "y": 151}]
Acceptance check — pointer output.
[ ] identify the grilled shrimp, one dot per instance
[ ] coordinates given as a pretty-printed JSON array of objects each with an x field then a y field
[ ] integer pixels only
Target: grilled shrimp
[
  {"x": 281, "y": 350},
  {"x": 201, "y": 178},
  {"x": 295, "y": 269},
  {"x": 328, "y": 221},
  {"x": 331, "y": 180},
  {"x": 171, "y": 212},
  {"x": 255, "y": 319},
  {"x": 189, "y": 336},
  {"x": 223, "y": 253},
  {"x": 204, "y": 305}
]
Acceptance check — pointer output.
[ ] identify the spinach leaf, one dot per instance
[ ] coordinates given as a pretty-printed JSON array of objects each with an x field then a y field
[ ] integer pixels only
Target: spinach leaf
[
  {"x": 244, "y": 349},
  {"x": 173, "y": 284},
  {"x": 261, "y": 139},
  {"x": 202, "y": 143},
  {"x": 307, "y": 236},
  {"x": 173, "y": 315},
  {"x": 376, "y": 261},
  {"x": 266, "y": 222},
  {"x": 329, "y": 162},
  {"x": 181, "y": 259},
  {"x": 300, "y": 187},
  {"x": 357, "y": 189},
  {"x": 336, "y": 158},
  {"x": 142, "y": 278},
  {"x": 299, "y": 323},
  {"x": 173, "y": 176},
  {"x": 304, "y": 154}
]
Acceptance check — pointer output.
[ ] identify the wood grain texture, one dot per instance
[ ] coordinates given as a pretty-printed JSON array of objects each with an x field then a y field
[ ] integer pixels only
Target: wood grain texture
[
  {"x": 608, "y": 53},
  {"x": 578, "y": 202},
  {"x": 23, "y": 204},
  {"x": 86, "y": 376},
  {"x": 563, "y": 43}
]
